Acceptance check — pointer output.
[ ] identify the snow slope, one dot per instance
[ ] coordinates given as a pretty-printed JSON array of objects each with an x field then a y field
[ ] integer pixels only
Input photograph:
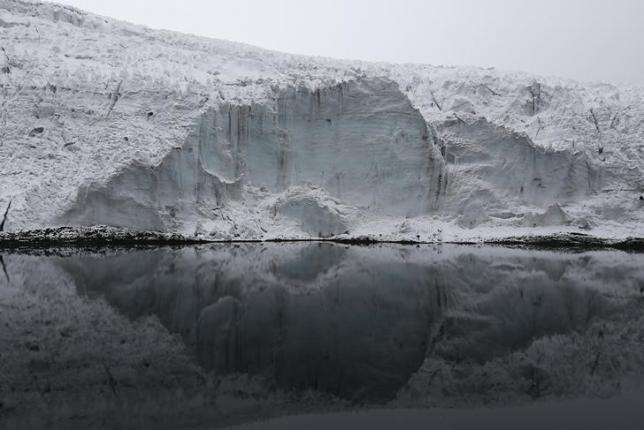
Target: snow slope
[{"x": 105, "y": 122}]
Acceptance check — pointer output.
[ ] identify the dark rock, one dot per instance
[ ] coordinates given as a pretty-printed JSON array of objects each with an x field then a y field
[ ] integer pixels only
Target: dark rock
[
  {"x": 571, "y": 241},
  {"x": 90, "y": 236},
  {"x": 32, "y": 346},
  {"x": 65, "y": 332},
  {"x": 36, "y": 131}
]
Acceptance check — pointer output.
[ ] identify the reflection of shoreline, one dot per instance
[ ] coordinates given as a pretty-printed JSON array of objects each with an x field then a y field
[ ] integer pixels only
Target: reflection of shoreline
[{"x": 104, "y": 237}]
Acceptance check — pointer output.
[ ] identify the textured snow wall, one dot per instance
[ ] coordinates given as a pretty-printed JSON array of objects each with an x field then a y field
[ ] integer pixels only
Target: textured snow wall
[
  {"x": 107, "y": 122},
  {"x": 358, "y": 147},
  {"x": 361, "y": 142},
  {"x": 155, "y": 198},
  {"x": 497, "y": 172}
]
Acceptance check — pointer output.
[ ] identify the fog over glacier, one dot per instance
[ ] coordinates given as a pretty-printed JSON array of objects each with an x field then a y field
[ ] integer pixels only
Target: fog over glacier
[{"x": 578, "y": 39}]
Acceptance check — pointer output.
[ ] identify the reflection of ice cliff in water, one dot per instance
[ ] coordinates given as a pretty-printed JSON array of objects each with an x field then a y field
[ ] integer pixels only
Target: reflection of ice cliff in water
[{"x": 458, "y": 324}]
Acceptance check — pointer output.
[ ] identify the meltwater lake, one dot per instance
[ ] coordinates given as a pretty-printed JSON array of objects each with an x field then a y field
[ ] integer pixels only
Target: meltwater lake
[{"x": 223, "y": 335}]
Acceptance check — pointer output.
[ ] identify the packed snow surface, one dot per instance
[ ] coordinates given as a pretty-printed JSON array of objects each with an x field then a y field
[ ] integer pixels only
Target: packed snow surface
[{"x": 105, "y": 122}]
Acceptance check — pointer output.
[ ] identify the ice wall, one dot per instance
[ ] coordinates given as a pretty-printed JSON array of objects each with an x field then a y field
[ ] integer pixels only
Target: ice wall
[
  {"x": 360, "y": 142},
  {"x": 228, "y": 141},
  {"x": 496, "y": 172},
  {"x": 322, "y": 161}
]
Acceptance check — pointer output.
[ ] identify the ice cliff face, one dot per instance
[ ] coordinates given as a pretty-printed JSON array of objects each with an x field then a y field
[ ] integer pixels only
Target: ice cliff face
[
  {"x": 104, "y": 122},
  {"x": 360, "y": 142}
]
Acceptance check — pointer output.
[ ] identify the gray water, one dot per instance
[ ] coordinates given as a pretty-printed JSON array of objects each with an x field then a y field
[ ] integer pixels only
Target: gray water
[{"x": 217, "y": 335}]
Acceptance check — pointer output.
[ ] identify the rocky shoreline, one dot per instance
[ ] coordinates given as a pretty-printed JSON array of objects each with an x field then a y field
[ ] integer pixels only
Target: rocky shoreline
[
  {"x": 106, "y": 237},
  {"x": 97, "y": 235},
  {"x": 572, "y": 241}
]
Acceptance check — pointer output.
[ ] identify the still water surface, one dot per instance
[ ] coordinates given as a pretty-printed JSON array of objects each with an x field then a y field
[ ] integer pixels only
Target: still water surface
[{"x": 219, "y": 335}]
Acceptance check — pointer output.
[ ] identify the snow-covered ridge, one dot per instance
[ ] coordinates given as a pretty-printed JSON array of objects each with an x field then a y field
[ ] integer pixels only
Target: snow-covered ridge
[{"x": 105, "y": 122}]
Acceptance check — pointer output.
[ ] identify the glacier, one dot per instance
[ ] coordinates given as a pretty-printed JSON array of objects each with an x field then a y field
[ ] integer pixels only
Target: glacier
[{"x": 110, "y": 123}]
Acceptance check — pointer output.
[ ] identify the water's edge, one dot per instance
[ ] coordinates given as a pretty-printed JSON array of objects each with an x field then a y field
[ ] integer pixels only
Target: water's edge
[{"x": 102, "y": 236}]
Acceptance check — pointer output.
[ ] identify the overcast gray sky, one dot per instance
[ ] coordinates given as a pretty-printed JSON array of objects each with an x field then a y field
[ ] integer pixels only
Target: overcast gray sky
[{"x": 582, "y": 39}]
